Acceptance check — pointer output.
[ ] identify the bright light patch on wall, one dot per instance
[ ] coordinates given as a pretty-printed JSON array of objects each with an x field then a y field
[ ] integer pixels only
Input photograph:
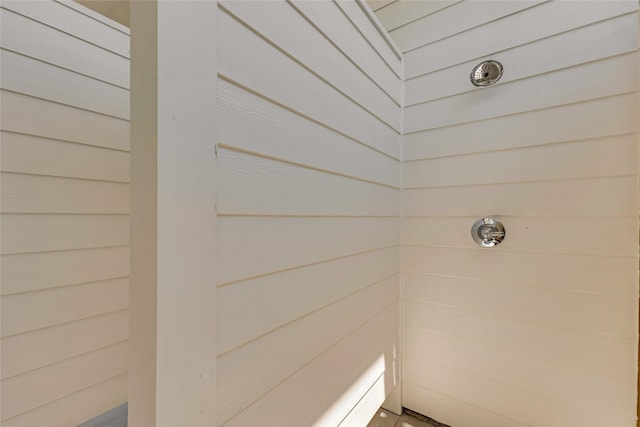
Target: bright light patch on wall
[{"x": 370, "y": 386}]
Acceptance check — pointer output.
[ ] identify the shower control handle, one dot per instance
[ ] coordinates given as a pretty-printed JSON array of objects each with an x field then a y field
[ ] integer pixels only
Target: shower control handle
[{"x": 488, "y": 232}]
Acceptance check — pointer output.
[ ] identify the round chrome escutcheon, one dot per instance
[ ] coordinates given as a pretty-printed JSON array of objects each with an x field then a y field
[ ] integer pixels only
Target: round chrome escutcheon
[{"x": 487, "y": 232}]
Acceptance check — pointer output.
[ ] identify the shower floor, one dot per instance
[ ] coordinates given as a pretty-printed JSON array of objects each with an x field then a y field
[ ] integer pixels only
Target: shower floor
[{"x": 384, "y": 418}]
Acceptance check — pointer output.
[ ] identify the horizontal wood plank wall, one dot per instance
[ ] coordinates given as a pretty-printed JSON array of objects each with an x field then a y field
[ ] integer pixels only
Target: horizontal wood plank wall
[
  {"x": 65, "y": 207},
  {"x": 308, "y": 214},
  {"x": 541, "y": 330}
]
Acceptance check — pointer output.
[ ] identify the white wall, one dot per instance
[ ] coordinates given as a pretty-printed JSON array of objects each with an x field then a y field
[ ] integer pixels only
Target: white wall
[
  {"x": 539, "y": 331},
  {"x": 308, "y": 214},
  {"x": 65, "y": 205},
  {"x": 542, "y": 330}
]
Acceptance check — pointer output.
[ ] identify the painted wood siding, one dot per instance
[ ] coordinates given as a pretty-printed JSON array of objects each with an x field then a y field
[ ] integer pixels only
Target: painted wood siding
[
  {"x": 308, "y": 214},
  {"x": 541, "y": 330},
  {"x": 65, "y": 206}
]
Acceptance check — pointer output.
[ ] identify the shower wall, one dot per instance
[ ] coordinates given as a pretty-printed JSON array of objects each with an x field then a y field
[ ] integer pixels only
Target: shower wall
[
  {"x": 65, "y": 213},
  {"x": 541, "y": 330},
  {"x": 308, "y": 214}
]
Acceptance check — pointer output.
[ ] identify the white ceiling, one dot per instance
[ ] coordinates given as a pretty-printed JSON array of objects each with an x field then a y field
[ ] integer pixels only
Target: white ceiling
[
  {"x": 118, "y": 10},
  {"x": 377, "y": 4}
]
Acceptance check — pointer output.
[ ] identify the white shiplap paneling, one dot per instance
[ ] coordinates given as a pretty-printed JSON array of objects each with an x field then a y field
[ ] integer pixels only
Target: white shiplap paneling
[
  {"x": 26, "y": 233},
  {"x": 45, "y": 194},
  {"x": 549, "y": 317},
  {"x": 257, "y": 125},
  {"x": 69, "y": 18},
  {"x": 28, "y": 391},
  {"x": 308, "y": 205},
  {"x": 65, "y": 206},
  {"x": 603, "y": 196},
  {"x": 523, "y": 129},
  {"x": 243, "y": 377},
  {"x": 274, "y": 74},
  {"x": 613, "y": 36},
  {"x": 63, "y": 122},
  {"x": 49, "y": 44},
  {"x": 34, "y": 271},
  {"x": 375, "y": 36},
  {"x": 600, "y": 157},
  {"x": 29, "y": 351},
  {"x": 528, "y": 304},
  {"x": 326, "y": 378},
  {"x": 555, "y": 17},
  {"x": 62, "y": 305},
  {"x": 281, "y": 243},
  {"x": 598, "y": 79},
  {"x": 552, "y": 235},
  {"x": 581, "y": 273},
  {"x": 252, "y": 184},
  {"x": 71, "y": 160},
  {"x": 97, "y": 398},
  {"x": 378, "y": 4},
  {"x": 460, "y": 413},
  {"x": 508, "y": 400},
  {"x": 282, "y": 24},
  {"x": 405, "y": 13},
  {"x": 311, "y": 287},
  {"x": 33, "y": 77},
  {"x": 452, "y": 20},
  {"x": 337, "y": 27}
]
